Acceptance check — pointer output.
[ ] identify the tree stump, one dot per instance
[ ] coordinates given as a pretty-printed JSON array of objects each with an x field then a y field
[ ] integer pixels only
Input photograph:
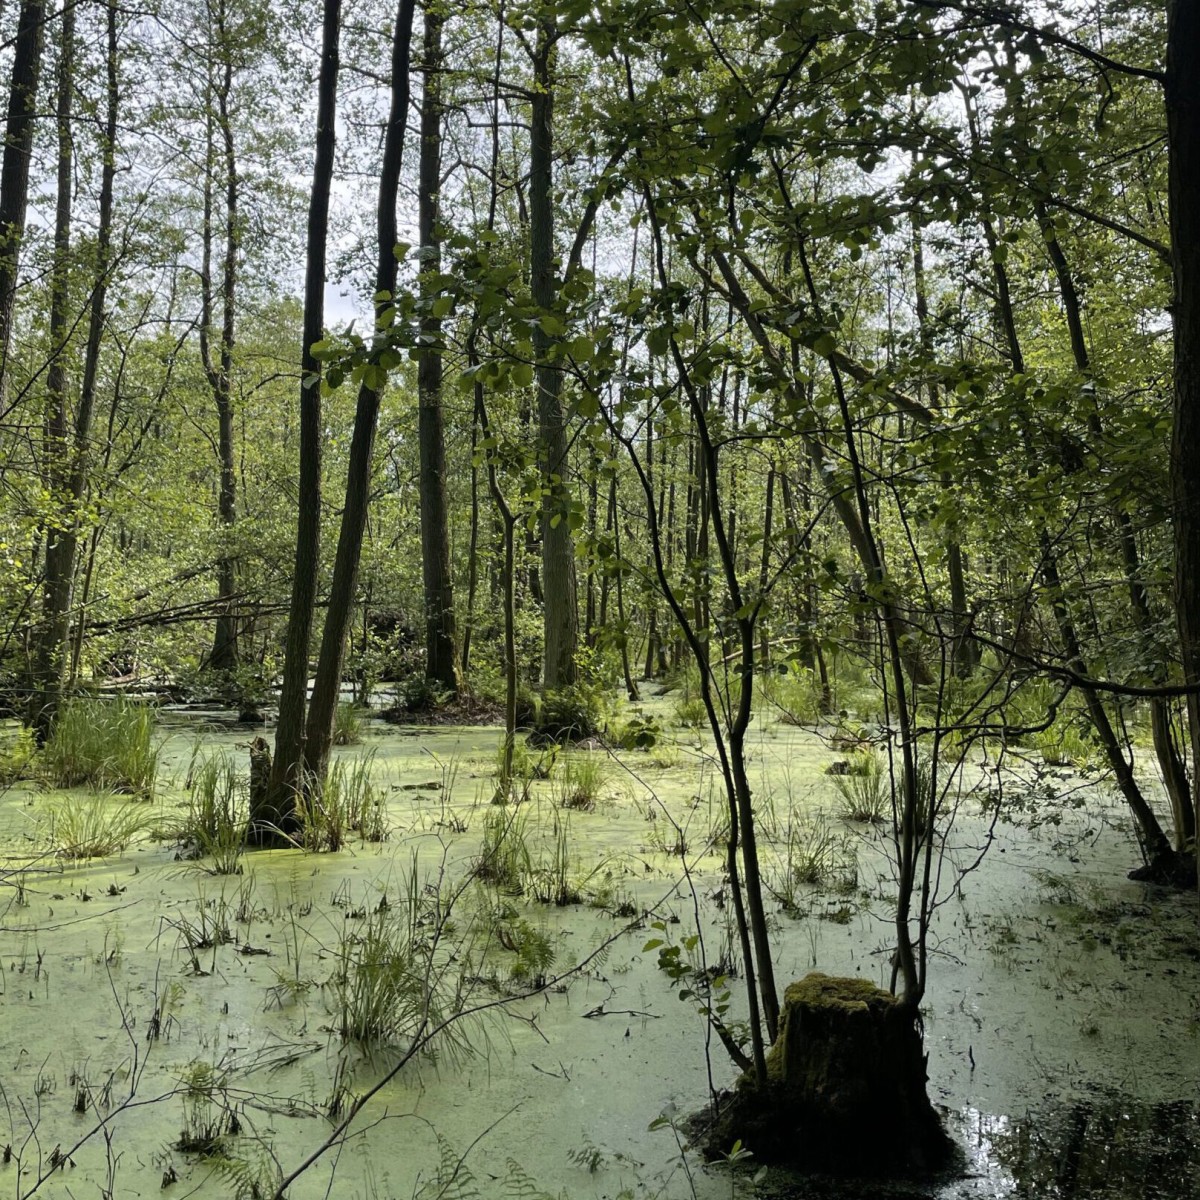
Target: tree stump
[{"x": 846, "y": 1088}]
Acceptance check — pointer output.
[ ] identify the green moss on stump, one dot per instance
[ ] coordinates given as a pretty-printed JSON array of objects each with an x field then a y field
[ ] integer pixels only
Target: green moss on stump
[{"x": 846, "y": 1087}]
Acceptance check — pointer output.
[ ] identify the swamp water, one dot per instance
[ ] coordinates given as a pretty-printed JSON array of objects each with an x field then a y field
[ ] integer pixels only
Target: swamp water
[{"x": 1062, "y": 1020}]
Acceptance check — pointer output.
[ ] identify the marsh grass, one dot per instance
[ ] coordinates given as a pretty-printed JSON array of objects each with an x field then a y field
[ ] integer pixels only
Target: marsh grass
[
  {"x": 347, "y": 724},
  {"x": 17, "y": 756},
  {"x": 106, "y": 744},
  {"x": 582, "y": 780},
  {"x": 815, "y": 855},
  {"x": 504, "y": 858},
  {"x": 392, "y": 985},
  {"x": 217, "y": 813},
  {"x": 864, "y": 791},
  {"x": 93, "y": 826},
  {"x": 346, "y": 804}
]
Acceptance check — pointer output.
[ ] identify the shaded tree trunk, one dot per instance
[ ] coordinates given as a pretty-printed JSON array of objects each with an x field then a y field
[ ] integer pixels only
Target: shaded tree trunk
[
  {"x": 323, "y": 706},
  {"x": 1183, "y": 139},
  {"x": 14, "y": 169},
  {"x": 223, "y": 657},
  {"x": 441, "y": 666},
  {"x": 560, "y": 605},
  {"x": 286, "y": 780},
  {"x": 56, "y": 584},
  {"x": 61, "y": 555}
]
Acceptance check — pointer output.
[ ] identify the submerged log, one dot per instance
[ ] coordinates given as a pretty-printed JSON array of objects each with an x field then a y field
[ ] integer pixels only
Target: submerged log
[{"x": 846, "y": 1088}]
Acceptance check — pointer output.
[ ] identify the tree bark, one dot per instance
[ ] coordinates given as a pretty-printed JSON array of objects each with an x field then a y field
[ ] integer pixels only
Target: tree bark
[
  {"x": 560, "y": 604},
  {"x": 14, "y": 169},
  {"x": 60, "y": 566},
  {"x": 56, "y": 585},
  {"x": 441, "y": 667},
  {"x": 223, "y": 657},
  {"x": 287, "y": 768},
  {"x": 1183, "y": 188},
  {"x": 323, "y": 707}
]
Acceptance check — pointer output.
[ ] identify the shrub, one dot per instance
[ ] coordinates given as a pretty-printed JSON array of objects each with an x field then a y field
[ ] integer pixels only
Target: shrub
[
  {"x": 570, "y": 714},
  {"x": 106, "y": 744},
  {"x": 640, "y": 732},
  {"x": 17, "y": 756},
  {"x": 795, "y": 693}
]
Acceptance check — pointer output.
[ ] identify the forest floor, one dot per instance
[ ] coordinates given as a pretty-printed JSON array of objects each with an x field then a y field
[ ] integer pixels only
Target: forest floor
[{"x": 145, "y": 995}]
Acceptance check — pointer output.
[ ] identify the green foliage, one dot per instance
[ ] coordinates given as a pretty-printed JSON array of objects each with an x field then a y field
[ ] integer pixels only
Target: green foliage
[
  {"x": 94, "y": 826},
  {"x": 106, "y": 744},
  {"x": 18, "y": 755},
  {"x": 208, "y": 1118},
  {"x": 795, "y": 693},
  {"x": 533, "y": 948},
  {"x": 640, "y": 732}
]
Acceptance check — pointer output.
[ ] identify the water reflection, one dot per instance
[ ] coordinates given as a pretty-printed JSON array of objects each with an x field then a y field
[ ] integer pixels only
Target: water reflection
[{"x": 1105, "y": 1148}]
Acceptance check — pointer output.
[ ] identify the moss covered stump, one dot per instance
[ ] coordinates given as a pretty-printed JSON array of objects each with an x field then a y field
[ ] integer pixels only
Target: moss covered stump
[{"x": 846, "y": 1088}]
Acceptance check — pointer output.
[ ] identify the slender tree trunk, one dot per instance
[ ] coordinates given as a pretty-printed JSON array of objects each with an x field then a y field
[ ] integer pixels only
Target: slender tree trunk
[
  {"x": 223, "y": 657},
  {"x": 287, "y": 767},
  {"x": 61, "y": 573},
  {"x": 1173, "y": 772},
  {"x": 1183, "y": 188},
  {"x": 1155, "y": 846},
  {"x": 965, "y": 656},
  {"x": 441, "y": 666},
  {"x": 14, "y": 169},
  {"x": 56, "y": 586},
  {"x": 323, "y": 707},
  {"x": 560, "y": 606}
]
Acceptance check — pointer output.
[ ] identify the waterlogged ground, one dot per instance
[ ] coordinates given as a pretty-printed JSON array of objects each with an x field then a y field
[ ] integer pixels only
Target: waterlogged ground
[{"x": 145, "y": 998}]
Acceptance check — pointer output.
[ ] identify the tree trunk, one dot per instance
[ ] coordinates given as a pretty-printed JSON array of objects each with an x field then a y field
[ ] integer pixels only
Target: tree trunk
[
  {"x": 560, "y": 608},
  {"x": 223, "y": 657},
  {"x": 286, "y": 780},
  {"x": 60, "y": 572},
  {"x": 323, "y": 707},
  {"x": 1183, "y": 140},
  {"x": 56, "y": 587},
  {"x": 14, "y": 169},
  {"x": 441, "y": 666}
]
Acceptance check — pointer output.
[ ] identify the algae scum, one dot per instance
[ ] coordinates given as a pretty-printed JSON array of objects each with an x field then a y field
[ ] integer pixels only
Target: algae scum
[{"x": 473, "y": 993}]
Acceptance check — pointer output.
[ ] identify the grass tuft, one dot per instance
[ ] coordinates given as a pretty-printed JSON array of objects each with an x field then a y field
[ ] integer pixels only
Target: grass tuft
[
  {"x": 93, "y": 826},
  {"x": 104, "y": 744}
]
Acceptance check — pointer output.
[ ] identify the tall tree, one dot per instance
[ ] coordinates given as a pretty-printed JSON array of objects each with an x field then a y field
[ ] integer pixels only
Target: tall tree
[
  {"x": 221, "y": 172},
  {"x": 323, "y": 706},
  {"x": 440, "y": 660},
  {"x": 1183, "y": 139},
  {"x": 288, "y": 765},
  {"x": 62, "y": 545},
  {"x": 560, "y": 602},
  {"x": 14, "y": 169}
]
